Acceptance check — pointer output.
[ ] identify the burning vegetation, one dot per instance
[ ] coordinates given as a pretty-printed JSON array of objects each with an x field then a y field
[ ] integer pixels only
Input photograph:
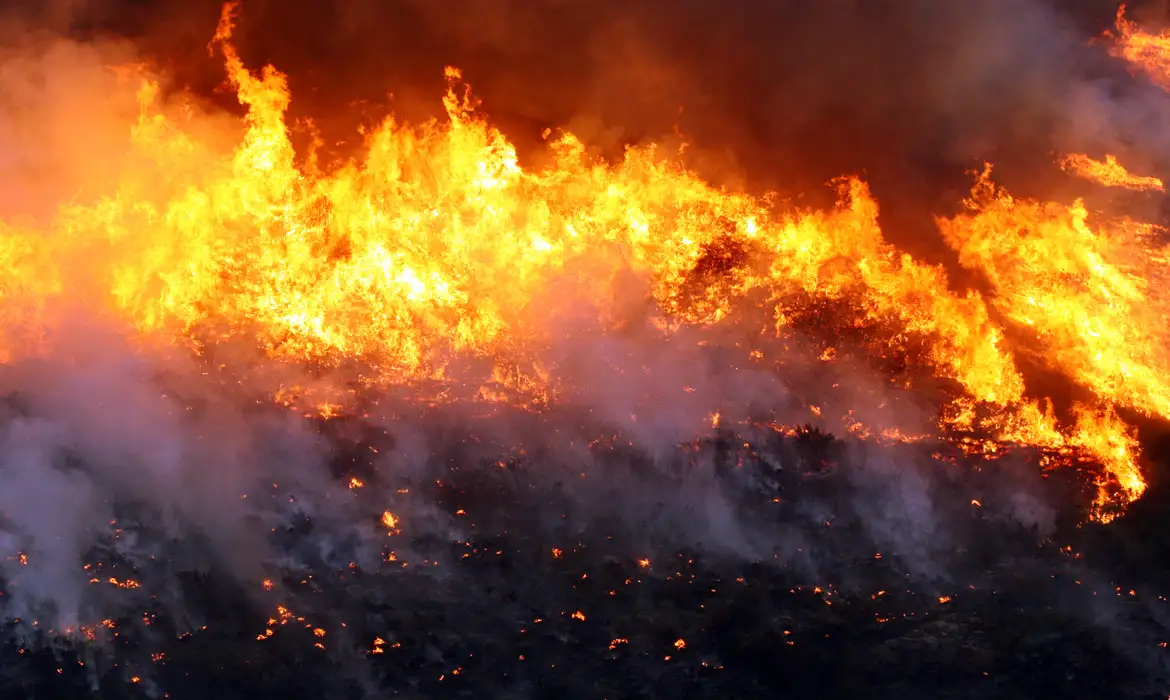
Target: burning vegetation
[
  {"x": 437, "y": 250},
  {"x": 458, "y": 335}
]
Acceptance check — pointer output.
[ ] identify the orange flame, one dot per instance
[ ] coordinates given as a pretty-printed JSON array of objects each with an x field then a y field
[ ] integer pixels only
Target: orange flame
[
  {"x": 1146, "y": 52},
  {"x": 1109, "y": 172},
  {"x": 436, "y": 246}
]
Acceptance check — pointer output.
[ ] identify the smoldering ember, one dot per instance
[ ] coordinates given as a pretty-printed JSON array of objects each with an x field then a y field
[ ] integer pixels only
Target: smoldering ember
[{"x": 584, "y": 350}]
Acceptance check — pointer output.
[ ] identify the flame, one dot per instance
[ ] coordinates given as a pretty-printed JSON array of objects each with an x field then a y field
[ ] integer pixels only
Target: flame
[
  {"x": 437, "y": 244},
  {"x": 1087, "y": 290},
  {"x": 1146, "y": 52},
  {"x": 435, "y": 251},
  {"x": 1109, "y": 172}
]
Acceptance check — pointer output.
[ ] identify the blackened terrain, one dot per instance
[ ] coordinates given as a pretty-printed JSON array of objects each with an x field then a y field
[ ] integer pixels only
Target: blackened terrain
[{"x": 543, "y": 599}]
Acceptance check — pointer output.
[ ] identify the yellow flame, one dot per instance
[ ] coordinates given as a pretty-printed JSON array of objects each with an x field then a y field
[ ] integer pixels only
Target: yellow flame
[
  {"x": 1109, "y": 172},
  {"x": 1147, "y": 52},
  {"x": 436, "y": 246},
  {"x": 1091, "y": 292}
]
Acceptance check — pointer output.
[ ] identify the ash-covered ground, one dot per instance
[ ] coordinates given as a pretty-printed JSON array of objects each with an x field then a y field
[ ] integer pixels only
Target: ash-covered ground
[{"x": 759, "y": 565}]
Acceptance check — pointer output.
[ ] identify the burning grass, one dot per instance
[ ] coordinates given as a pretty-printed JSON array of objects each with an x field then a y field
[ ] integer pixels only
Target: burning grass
[
  {"x": 557, "y": 409},
  {"x": 437, "y": 260}
]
